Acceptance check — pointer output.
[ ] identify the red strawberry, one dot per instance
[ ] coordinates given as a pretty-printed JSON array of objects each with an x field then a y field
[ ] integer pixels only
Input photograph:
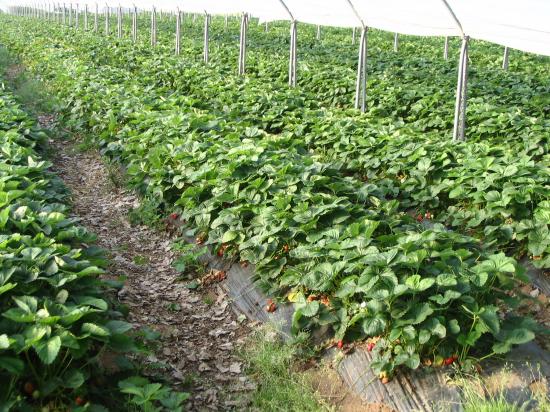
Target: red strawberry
[
  {"x": 28, "y": 388},
  {"x": 271, "y": 306},
  {"x": 370, "y": 346},
  {"x": 173, "y": 216},
  {"x": 419, "y": 217},
  {"x": 449, "y": 360},
  {"x": 340, "y": 344},
  {"x": 79, "y": 401}
]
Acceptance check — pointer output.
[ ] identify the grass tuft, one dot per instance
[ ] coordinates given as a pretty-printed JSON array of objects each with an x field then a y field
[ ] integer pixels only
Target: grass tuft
[
  {"x": 280, "y": 388},
  {"x": 480, "y": 395}
]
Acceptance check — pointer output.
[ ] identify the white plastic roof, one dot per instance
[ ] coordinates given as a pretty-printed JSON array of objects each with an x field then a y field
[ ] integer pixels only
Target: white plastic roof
[{"x": 519, "y": 24}]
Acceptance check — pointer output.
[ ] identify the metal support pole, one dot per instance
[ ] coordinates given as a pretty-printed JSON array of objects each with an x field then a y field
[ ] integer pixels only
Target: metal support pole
[
  {"x": 446, "y": 48},
  {"x": 395, "y": 42},
  {"x": 293, "y": 57},
  {"x": 361, "y": 84},
  {"x": 107, "y": 31},
  {"x": 96, "y": 17},
  {"x": 86, "y": 17},
  {"x": 70, "y": 14},
  {"x": 353, "y": 35},
  {"x": 318, "y": 36},
  {"x": 266, "y": 27},
  {"x": 242, "y": 45},
  {"x": 76, "y": 15},
  {"x": 178, "y": 32},
  {"x": 506, "y": 58},
  {"x": 206, "y": 37},
  {"x": 225, "y": 22},
  {"x": 134, "y": 24},
  {"x": 154, "y": 27},
  {"x": 461, "y": 92},
  {"x": 119, "y": 22},
  {"x": 64, "y": 15}
]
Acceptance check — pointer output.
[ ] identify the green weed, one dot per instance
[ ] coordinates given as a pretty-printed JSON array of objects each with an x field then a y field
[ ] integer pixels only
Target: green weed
[{"x": 270, "y": 363}]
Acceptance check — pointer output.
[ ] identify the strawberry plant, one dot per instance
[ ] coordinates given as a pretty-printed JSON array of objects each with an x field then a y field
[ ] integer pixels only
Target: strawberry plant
[{"x": 322, "y": 200}]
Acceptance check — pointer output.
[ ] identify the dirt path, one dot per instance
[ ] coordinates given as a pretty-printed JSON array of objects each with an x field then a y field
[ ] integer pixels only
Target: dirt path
[{"x": 199, "y": 335}]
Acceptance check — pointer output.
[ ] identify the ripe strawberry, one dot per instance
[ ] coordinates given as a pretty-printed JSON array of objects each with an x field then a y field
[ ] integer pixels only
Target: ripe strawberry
[
  {"x": 419, "y": 217},
  {"x": 173, "y": 216},
  {"x": 311, "y": 298},
  {"x": 449, "y": 361},
  {"x": 79, "y": 401},
  {"x": 340, "y": 344},
  {"x": 370, "y": 346},
  {"x": 428, "y": 215},
  {"x": 28, "y": 388},
  {"x": 286, "y": 248},
  {"x": 271, "y": 306},
  {"x": 221, "y": 250}
]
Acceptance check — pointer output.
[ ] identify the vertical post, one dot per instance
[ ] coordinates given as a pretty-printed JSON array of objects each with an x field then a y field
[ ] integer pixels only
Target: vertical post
[
  {"x": 353, "y": 35},
  {"x": 242, "y": 45},
  {"x": 86, "y": 17},
  {"x": 266, "y": 27},
  {"x": 461, "y": 92},
  {"x": 506, "y": 58},
  {"x": 178, "y": 31},
  {"x": 318, "y": 36},
  {"x": 70, "y": 14},
  {"x": 119, "y": 22},
  {"x": 76, "y": 15},
  {"x": 154, "y": 27},
  {"x": 395, "y": 42},
  {"x": 293, "y": 57},
  {"x": 96, "y": 17},
  {"x": 206, "y": 37},
  {"x": 446, "y": 48},
  {"x": 225, "y": 22},
  {"x": 134, "y": 24},
  {"x": 361, "y": 84},
  {"x": 64, "y": 15},
  {"x": 107, "y": 30}
]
